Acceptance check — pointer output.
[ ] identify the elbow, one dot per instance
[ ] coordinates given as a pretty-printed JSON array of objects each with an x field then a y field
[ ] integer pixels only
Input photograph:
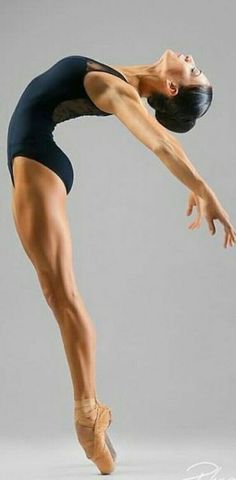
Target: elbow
[
  {"x": 164, "y": 146},
  {"x": 167, "y": 144}
]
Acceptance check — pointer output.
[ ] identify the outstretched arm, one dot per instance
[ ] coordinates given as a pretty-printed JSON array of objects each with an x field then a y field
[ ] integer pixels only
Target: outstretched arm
[{"x": 129, "y": 109}]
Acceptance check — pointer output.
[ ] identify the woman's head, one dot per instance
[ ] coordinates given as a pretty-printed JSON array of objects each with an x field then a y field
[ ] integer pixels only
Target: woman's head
[{"x": 183, "y": 93}]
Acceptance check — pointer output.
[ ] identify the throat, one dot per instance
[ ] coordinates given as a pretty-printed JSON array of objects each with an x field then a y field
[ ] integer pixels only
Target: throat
[{"x": 134, "y": 74}]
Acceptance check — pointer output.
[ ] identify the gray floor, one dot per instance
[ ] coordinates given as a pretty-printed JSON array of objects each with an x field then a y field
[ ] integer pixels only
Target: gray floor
[{"x": 166, "y": 459}]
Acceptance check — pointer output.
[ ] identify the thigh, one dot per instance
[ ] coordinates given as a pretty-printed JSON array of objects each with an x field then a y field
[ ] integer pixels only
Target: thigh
[{"x": 39, "y": 212}]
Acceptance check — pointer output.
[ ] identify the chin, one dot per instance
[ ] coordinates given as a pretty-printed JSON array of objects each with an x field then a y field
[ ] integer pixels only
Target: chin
[
  {"x": 167, "y": 53},
  {"x": 171, "y": 52}
]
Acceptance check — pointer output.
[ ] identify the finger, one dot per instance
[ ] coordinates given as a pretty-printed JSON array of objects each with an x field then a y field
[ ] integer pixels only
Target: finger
[
  {"x": 233, "y": 234},
  {"x": 231, "y": 241},
  {"x": 193, "y": 225},
  {"x": 225, "y": 241},
  {"x": 197, "y": 222},
  {"x": 199, "y": 213},
  {"x": 191, "y": 204},
  {"x": 232, "y": 238},
  {"x": 228, "y": 239}
]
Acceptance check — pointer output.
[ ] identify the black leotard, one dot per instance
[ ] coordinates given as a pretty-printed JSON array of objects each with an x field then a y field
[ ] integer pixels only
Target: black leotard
[{"x": 56, "y": 95}]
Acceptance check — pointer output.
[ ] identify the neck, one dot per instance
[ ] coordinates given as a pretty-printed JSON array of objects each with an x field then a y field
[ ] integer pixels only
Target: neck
[{"x": 139, "y": 76}]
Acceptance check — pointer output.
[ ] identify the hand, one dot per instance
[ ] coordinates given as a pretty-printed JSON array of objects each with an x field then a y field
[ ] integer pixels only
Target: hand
[{"x": 211, "y": 209}]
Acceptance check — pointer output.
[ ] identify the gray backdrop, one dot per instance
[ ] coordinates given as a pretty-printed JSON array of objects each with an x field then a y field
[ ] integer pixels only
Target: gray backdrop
[{"x": 162, "y": 297}]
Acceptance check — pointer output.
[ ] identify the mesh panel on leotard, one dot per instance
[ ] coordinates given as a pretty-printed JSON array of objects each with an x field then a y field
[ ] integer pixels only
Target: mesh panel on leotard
[{"x": 78, "y": 107}]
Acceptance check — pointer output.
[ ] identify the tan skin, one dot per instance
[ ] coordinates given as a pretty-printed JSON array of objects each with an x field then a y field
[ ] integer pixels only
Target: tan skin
[
  {"x": 44, "y": 231},
  {"x": 164, "y": 76}
]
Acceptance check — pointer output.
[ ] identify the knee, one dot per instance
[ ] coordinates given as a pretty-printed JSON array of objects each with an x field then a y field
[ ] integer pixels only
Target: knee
[
  {"x": 64, "y": 300},
  {"x": 58, "y": 293}
]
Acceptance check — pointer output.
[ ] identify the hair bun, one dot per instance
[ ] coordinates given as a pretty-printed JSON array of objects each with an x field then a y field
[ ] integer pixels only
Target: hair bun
[
  {"x": 179, "y": 113},
  {"x": 178, "y": 125}
]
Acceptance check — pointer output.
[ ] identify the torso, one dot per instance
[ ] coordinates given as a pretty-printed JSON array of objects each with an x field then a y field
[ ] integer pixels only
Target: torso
[{"x": 69, "y": 88}]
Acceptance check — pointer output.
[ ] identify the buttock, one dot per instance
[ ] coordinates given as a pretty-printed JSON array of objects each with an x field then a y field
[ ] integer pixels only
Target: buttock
[{"x": 45, "y": 152}]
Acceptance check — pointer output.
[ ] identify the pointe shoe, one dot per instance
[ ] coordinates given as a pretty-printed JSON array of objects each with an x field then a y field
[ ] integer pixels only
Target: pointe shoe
[
  {"x": 107, "y": 438},
  {"x": 92, "y": 435}
]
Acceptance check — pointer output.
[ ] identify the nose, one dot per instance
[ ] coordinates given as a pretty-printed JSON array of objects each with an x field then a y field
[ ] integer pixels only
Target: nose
[{"x": 189, "y": 58}]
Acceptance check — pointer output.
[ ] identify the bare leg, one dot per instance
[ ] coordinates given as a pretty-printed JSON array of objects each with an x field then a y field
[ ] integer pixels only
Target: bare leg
[
  {"x": 39, "y": 211},
  {"x": 45, "y": 235}
]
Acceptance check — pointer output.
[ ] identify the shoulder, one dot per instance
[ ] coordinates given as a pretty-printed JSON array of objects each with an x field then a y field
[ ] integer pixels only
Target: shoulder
[{"x": 105, "y": 90}]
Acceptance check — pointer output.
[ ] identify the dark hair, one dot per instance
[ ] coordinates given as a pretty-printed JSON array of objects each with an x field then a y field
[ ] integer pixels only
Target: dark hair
[{"x": 179, "y": 113}]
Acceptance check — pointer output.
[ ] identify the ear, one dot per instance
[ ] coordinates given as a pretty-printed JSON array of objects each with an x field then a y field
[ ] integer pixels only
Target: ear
[{"x": 172, "y": 87}]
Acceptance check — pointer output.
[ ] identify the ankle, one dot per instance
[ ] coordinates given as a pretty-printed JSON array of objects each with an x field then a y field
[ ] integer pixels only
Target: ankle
[
  {"x": 85, "y": 402},
  {"x": 85, "y": 411},
  {"x": 85, "y": 398}
]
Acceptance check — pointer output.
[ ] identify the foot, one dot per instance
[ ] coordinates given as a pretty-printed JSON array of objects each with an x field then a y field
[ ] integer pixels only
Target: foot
[{"x": 92, "y": 418}]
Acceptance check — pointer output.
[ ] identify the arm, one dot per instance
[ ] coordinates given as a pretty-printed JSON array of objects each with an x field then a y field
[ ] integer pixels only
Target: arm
[
  {"x": 129, "y": 109},
  {"x": 173, "y": 156}
]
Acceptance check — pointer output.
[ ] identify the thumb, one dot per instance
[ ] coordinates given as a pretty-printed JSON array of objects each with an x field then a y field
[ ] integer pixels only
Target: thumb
[
  {"x": 211, "y": 227},
  {"x": 189, "y": 209}
]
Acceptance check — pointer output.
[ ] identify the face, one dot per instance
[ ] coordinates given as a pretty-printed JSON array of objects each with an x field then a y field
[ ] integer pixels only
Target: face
[{"x": 178, "y": 67}]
